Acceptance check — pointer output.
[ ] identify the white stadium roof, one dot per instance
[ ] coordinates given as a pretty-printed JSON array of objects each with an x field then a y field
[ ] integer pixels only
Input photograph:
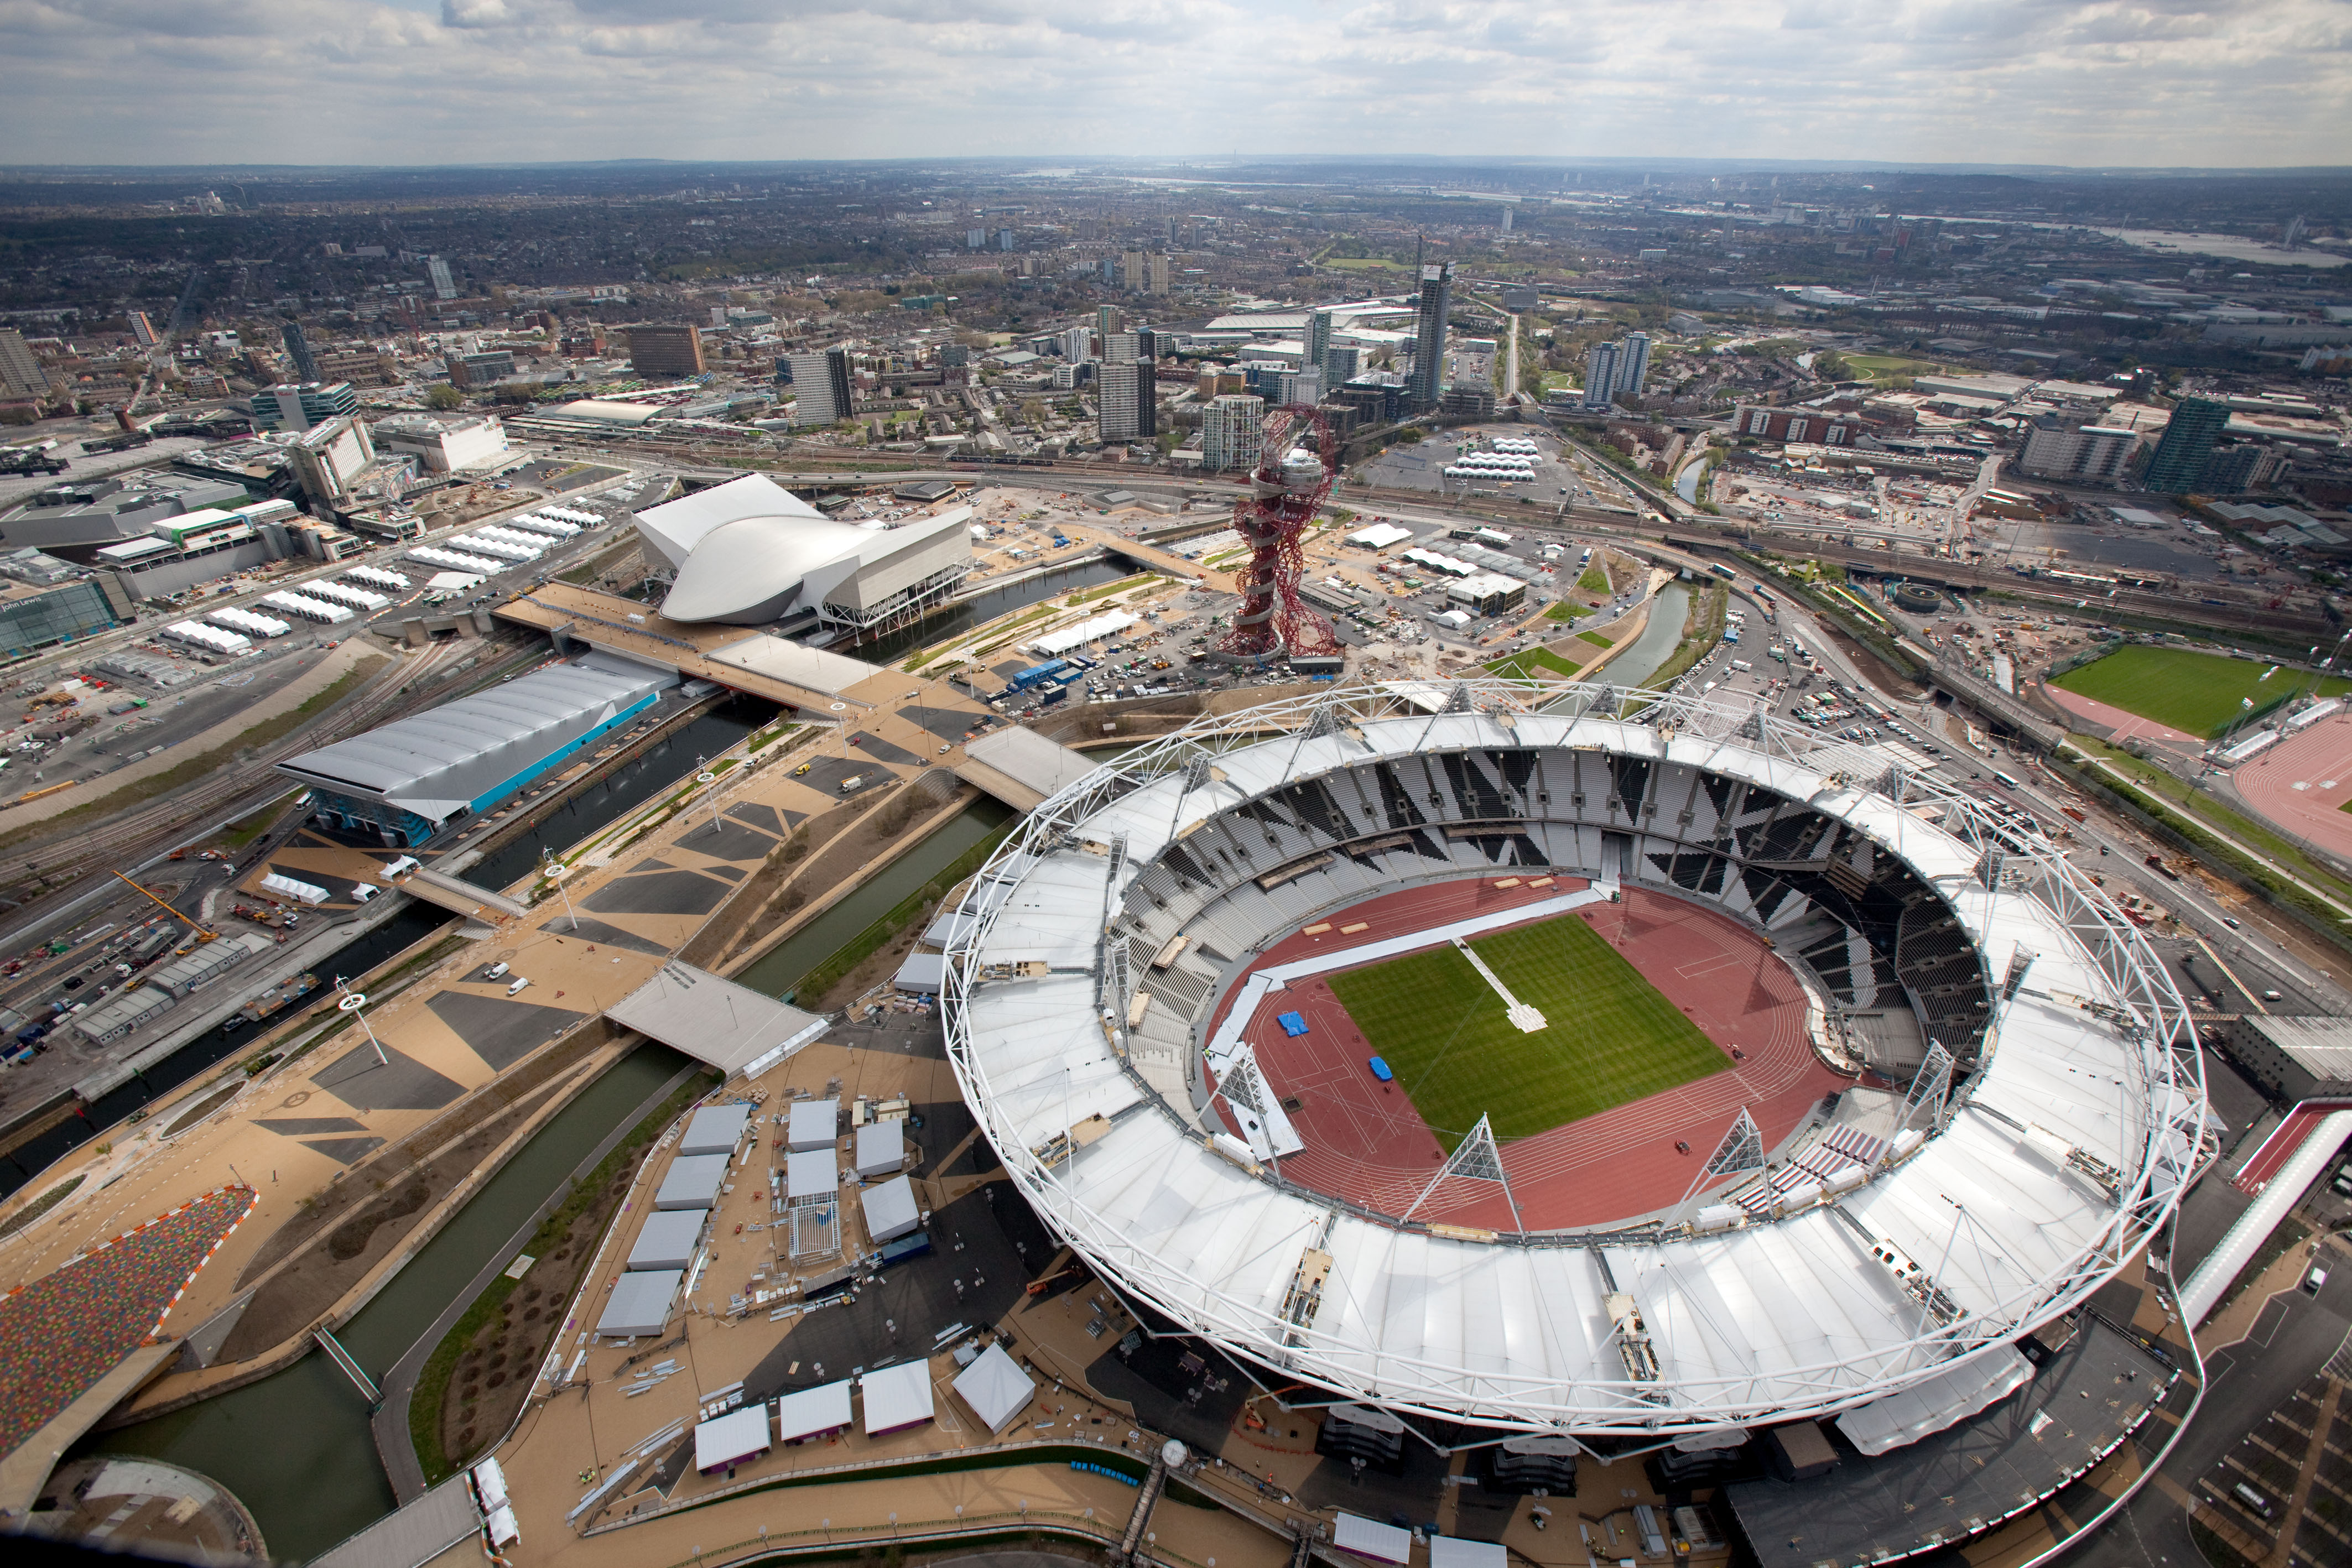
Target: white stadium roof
[{"x": 2066, "y": 1146}]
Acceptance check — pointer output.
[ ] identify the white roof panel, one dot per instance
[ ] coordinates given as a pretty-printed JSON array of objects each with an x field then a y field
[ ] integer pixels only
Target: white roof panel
[{"x": 896, "y": 1396}]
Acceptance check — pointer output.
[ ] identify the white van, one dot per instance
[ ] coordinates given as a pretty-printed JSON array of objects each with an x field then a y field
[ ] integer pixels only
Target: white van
[
  {"x": 495, "y": 972},
  {"x": 519, "y": 983}
]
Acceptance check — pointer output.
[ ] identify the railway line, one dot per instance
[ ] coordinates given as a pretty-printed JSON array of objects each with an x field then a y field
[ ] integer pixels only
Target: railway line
[{"x": 138, "y": 834}]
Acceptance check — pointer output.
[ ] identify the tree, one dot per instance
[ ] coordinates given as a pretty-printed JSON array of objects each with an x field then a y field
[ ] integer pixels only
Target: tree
[
  {"x": 444, "y": 396},
  {"x": 1830, "y": 366}
]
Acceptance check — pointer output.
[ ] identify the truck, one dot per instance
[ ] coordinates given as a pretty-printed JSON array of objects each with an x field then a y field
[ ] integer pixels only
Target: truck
[{"x": 853, "y": 784}]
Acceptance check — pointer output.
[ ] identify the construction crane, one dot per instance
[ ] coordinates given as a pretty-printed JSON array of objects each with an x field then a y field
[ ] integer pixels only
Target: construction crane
[{"x": 203, "y": 932}]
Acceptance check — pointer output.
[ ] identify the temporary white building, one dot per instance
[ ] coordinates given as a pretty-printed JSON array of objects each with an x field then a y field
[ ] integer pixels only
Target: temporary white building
[
  {"x": 211, "y": 639},
  {"x": 738, "y": 1434},
  {"x": 995, "y": 1388},
  {"x": 896, "y": 1396},
  {"x": 814, "y": 1124},
  {"x": 714, "y": 1130},
  {"x": 640, "y": 1303},
  {"x": 818, "y": 1412},
  {"x": 307, "y": 607},
  {"x": 693, "y": 1182},
  {"x": 891, "y": 1210},
  {"x": 668, "y": 1238},
  {"x": 247, "y": 622}
]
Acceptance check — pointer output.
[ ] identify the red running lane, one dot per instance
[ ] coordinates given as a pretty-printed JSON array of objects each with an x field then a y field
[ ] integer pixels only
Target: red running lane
[
  {"x": 2302, "y": 783},
  {"x": 2127, "y": 726},
  {"x": 2280, "y": 1147},
  {"x": 1367, "y": 1142}
]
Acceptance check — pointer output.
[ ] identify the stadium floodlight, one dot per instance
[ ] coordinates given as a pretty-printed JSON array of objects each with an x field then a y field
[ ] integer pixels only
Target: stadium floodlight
[{"x": 1477, "y": 1157}]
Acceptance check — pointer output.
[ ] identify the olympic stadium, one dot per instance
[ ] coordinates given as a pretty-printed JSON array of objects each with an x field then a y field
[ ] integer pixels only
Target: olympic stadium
[{"x": 1537, "y": 1063}]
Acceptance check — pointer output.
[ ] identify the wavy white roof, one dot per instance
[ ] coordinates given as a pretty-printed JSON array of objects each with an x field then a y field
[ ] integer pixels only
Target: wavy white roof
[{"x": 1771, "y": 1319}]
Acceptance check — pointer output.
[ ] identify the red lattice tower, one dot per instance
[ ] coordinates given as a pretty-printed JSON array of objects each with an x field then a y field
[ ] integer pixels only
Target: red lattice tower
[{"x": 1271, "y": 520}]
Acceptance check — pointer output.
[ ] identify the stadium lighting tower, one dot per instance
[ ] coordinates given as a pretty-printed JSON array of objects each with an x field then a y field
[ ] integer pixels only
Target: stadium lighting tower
[{"x": 1288, "y": 488}]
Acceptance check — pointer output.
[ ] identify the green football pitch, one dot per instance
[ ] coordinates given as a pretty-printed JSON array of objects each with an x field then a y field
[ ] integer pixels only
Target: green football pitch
[
  {"x": 1609, "y": 1036},
  {"x": 2194, "y": 693}
]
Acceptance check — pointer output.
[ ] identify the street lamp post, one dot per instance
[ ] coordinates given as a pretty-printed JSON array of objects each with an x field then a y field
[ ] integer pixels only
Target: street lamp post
[
  {"x": 555, "y": 871},
  {"x": 351, "y": 1003}
]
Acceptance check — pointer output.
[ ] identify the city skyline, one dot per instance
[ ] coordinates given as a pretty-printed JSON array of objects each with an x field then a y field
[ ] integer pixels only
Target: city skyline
[{"x": 2263, "y": 84}]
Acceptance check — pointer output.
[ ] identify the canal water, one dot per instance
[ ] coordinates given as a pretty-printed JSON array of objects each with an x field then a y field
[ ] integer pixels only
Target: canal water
[
  {"x": 986, "y": 607},
  {"x": 296, "y": 1447},
  {"x": 563, "y": 823},
  {"x": 1659, "y": 637},
  {"x": 779, "y": 973},
  {"x": 23, "y": 1164}
]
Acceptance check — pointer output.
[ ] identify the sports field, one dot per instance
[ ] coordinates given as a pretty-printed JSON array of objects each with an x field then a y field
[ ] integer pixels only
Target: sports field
[
  {"x": 1609, "y": 1037},
  {"x": 2194, "y": 693}
]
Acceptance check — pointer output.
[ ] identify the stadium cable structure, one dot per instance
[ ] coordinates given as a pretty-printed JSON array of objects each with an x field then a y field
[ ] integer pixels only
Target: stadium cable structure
[
  {"x": 1289, "y": 486},
  {"x": 2046, "y": 1162}
]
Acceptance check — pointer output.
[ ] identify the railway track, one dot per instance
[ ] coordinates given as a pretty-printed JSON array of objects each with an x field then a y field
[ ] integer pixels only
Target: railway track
[{"x": 57, "y": 867}]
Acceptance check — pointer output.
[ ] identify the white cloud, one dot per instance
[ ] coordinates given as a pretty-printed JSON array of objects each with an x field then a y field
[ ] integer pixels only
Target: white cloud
[{"x": 404, "y": 81}]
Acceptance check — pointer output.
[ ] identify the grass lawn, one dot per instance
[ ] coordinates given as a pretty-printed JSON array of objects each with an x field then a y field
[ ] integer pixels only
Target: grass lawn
[
  {"x": 2195, "y": 693},
  {"x": 1878, "y": 367},
  {"x": 1523, "y": 666},
  {"x": 1595, "y": 580},
  {"x": 1599, "y": 640},
  {"x": 1565, "y": 610},
  {"x": 1610, "y": 1036},
  {"x": 1362, "y": 263}
]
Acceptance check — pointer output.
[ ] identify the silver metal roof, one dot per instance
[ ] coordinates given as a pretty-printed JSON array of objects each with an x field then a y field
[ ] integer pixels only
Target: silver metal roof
[{"x": 437, "y": 761}]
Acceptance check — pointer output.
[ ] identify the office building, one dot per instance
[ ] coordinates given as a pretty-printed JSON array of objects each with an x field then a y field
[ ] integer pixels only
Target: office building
[
  {"x": 1319, "y": 341},
  {"x": 666, "y": 350},
  {"x": 820, "y": 387},
  {"x": 1109, "y": 318},
  {"x": 1435, "y": 303},
  {"x": 1135, "y": 272},
  {"x": 20, "y": 373},
  {"x": 1507, "y": 220},
  {"x": 2235, "y": 469},
  {"x": 330, "y": 455},
  {"x": 1156, "y": 275},
  {"x": 1075, "y": 344},
  {"x": 1004, "y": 239},
  {"x": 444, "y": 286},
  {"x": 443, "y": 444},
  {"x": 287, "y": 406},
  {"x": 975, "y": 239},
  {"x": 1341, "y": 365},
  {"x": 2057, "y": 447},
  {"x": 298, "y": 352},
  {"x": 1232, "y": 428},
  {"x": 2188, "y": 437},
  {"x": 475, "y": 370}
]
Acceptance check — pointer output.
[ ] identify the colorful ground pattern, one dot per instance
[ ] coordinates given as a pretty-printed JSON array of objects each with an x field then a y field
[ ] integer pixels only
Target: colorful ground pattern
[
  {"x": 66, "y": 1330},
  {"x": 1610, "y": 1036},
  {"x": 2197, "y": 692}
]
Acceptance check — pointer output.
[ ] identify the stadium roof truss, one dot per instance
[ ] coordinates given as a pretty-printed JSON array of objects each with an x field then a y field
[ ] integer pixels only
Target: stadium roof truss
[{"x": 2069, "y": 1142}]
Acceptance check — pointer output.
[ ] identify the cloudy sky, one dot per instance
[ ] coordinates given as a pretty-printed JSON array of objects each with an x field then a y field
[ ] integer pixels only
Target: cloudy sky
[{"x": 2138, "y": 82}]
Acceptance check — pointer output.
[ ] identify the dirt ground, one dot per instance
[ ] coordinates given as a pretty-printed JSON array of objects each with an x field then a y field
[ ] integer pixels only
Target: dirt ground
[
  {"x": 295, "y": 1298},
  {"x": 1879, "y": 673},
  {"x": 494, "y": 1373}
]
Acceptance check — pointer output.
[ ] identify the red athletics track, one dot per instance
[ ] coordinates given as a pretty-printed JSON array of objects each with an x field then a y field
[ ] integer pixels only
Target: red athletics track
[
  {"x": 1366, "y": 1142},
  {"x": 2301, "y": 783},
  {"x": 2281, "y": 1145}
]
